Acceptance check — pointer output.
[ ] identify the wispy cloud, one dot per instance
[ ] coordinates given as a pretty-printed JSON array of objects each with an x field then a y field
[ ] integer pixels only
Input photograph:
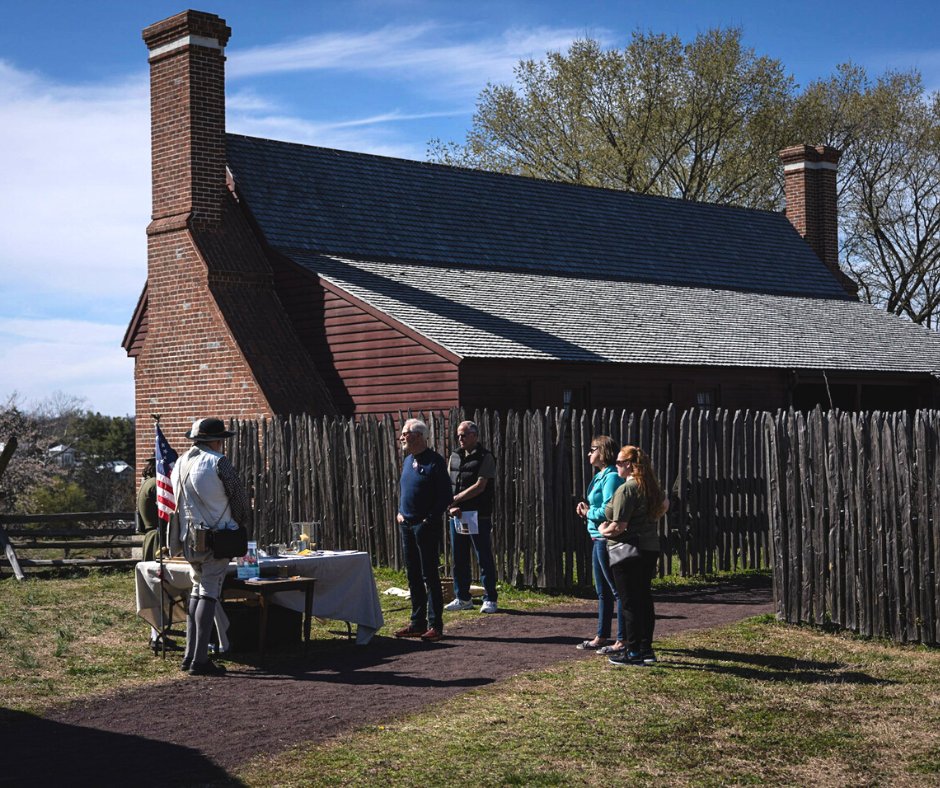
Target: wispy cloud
[
  {"x": 79, "y": 357},
  {"x": 75, "y": 200},
  {"x": 428, "y": 54},
  {"x": 75, "y": 166}
]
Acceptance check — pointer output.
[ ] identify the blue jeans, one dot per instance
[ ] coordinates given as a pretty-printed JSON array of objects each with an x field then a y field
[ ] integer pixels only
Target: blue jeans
[
  {"x": 606, "y": 593},
  {"x": 421, "y": 549},
  {"x": 482, "y": 544}
]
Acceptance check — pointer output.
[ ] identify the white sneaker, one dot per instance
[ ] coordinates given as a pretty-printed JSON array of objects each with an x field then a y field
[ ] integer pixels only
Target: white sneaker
[
  {"x": 488, "y": 607},
  {"x": 459, "y": 604}
]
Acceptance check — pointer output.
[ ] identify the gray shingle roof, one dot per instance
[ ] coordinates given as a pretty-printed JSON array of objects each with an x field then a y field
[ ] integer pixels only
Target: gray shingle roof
[
  {"x": 372, "y": 207},
  {"x": 487, "y": 314}
]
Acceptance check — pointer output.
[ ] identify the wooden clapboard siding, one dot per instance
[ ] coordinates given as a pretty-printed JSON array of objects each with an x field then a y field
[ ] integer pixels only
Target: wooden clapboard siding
[{"x": 371, "y": 364}]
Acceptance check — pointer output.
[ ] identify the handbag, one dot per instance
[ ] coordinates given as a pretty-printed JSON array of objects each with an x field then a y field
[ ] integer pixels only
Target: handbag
[
  {"x": 621, "y": 551},
  {"x": 229, "y": 542}
]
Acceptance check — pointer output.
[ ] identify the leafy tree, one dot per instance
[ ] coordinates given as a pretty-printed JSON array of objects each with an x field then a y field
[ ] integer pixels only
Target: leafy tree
[
  {"x": 705, "y": 121},
  {"x": 60, "y": 495},
  {"x": 34, "y": 482},
  {"x": 700, "y": 121},
  {"x": 30, "y": 464},
  {"x": 103, "y": 438}
]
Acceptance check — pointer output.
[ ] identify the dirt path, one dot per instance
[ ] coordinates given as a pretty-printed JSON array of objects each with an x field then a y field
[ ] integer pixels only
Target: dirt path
[{"x": 156, "y": 734}]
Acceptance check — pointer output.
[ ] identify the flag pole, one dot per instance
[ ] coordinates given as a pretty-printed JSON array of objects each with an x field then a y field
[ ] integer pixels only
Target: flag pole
[{"x": 160, "y": 521}]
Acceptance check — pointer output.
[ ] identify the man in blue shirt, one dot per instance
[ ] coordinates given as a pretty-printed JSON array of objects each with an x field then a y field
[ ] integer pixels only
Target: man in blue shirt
[{"x": 425, "y": 493}]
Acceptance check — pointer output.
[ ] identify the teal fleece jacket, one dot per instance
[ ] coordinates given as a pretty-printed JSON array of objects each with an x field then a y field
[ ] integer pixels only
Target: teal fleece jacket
[{"x": 598, "y": 495}]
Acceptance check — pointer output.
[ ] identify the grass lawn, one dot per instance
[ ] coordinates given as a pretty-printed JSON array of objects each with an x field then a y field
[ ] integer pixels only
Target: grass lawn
[
  {"x": 755, "y": 703},
  {"x": 758, "y": 703},
  {"x": 63, "y": 637}
]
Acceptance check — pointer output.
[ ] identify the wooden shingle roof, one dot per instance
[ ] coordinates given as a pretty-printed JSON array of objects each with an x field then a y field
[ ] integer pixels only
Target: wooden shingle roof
[
  {"x": 497, "y": 266},
  {"x": 482, "y": 314},
  {"x": 364, "y": 206}
]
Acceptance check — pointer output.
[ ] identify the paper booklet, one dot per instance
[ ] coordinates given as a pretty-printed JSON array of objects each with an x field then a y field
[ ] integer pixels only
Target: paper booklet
[{"x": 470, "y": 521}]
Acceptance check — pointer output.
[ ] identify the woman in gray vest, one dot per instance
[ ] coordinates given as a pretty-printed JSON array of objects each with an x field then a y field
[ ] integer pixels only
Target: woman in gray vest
[{"x": 209, "y": 494}]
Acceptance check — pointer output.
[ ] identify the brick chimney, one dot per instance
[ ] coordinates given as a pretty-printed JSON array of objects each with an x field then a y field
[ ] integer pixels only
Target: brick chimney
[
  {"x": 187, "y": 106},
  {"x": 811, "y": 206}
]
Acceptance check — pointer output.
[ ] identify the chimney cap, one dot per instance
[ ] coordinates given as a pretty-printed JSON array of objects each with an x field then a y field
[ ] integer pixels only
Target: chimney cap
[
  {"x": 195, "y": 23},
  {"x": 814, "y": 154}
]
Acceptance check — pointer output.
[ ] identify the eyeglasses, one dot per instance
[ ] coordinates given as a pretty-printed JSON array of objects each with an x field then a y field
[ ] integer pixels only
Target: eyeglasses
[
  {"x": 621, "y": 463},
  {"x": 592, "y": 450}
]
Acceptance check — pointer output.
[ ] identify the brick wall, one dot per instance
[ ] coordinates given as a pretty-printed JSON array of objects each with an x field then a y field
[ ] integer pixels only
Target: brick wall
[
  {"x": 212, "y": 339},
  {"x": 187, "y": 365},
  {"x": 811, "y": 202}
]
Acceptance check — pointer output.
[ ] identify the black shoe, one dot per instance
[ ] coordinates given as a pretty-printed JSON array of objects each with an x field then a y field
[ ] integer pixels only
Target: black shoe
[
  {"x": 156, "y": 645},
  {"x": 206, "y": 669},
  {"x": 187, "y": 661},
  {"x": 648, "y": 657},
  {"x": 625, "y": 659}
]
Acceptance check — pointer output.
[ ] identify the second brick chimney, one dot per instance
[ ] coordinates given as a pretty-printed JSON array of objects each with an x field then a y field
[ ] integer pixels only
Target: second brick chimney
[
  {"x": 187, "y": 104},
  {"x": 811, "y": 197}
]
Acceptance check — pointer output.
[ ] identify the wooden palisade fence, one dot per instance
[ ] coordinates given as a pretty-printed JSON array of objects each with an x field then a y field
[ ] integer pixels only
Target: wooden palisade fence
[
  {"x": 341, "y": 475},
  {"x": 853, "y": 506}
]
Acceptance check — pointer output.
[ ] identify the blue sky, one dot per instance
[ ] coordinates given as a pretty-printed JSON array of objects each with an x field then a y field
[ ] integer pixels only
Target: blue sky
[{"x": 362, "y": 75}]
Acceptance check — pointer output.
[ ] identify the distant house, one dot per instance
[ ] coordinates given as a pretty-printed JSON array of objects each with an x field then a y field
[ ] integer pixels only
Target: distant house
[
  {"x": 63, "y": 456},
  {"x": 284, "y": 278}
]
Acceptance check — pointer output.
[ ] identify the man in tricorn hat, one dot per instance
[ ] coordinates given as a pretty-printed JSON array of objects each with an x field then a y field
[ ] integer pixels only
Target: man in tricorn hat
[{"x": 209, "y": 494}]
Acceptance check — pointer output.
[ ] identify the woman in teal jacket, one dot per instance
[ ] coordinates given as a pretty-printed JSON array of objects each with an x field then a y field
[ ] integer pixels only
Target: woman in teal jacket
[{"x": 602, "y": 455}]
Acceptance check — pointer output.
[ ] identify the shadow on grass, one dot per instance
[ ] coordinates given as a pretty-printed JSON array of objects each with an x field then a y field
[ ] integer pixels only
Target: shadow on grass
[
  {"x": 768, "y": 667},
  {"x": 39, "y": 751}
]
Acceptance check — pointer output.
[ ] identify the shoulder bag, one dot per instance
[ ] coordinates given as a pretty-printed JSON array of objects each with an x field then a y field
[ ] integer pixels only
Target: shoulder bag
[
  {"x": 621, "y": 551},
  {"x": 224, "y": 542}
]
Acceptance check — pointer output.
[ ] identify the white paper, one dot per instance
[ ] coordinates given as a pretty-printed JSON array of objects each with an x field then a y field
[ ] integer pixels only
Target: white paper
[{"x": 470, "y": 520}]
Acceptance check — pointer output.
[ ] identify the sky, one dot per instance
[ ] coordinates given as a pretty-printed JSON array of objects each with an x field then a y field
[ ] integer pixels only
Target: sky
[{"x": 359, "y": 75}]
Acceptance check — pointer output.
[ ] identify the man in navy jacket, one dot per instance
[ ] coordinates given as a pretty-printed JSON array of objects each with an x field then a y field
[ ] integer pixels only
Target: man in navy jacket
[{"x": 425, "y": 493}]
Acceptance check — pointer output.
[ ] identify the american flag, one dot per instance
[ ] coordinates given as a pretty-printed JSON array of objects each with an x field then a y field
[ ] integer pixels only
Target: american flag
[{"x": 166, "y": 459}]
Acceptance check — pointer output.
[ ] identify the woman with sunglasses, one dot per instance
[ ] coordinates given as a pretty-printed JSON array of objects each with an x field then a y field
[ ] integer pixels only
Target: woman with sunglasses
[
  {"x": 632, "y": 514},
  {"x": 593, "y": 508}
]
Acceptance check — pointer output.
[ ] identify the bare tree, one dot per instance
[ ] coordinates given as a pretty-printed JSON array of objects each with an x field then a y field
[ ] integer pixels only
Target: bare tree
[{"x": 889, "y": 184}]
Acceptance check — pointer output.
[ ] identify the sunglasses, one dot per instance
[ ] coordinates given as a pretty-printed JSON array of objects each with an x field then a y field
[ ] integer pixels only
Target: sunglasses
[
  {"x": 592, "y": 450},
  {"x": 621, "y": 463}
]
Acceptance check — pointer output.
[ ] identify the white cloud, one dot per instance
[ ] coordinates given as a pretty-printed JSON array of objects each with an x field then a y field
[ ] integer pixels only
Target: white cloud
[
  {"x": 417, "y": 53},
  {"x": 75, "y": 201},
  {"x": 75, "y": 170},
  {"x": 373, "y": 134},
  {"x": 79, "y": 357}
]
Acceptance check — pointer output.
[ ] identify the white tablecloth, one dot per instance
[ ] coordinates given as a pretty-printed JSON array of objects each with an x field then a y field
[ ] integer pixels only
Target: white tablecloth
[{"x": 345, "y": 590}]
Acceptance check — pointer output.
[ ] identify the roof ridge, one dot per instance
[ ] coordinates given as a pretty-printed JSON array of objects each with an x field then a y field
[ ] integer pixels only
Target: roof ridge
[{"x": 528, "y": 179}]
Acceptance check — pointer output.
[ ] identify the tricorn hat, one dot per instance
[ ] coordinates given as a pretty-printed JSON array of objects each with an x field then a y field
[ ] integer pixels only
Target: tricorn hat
[{"x": 208, "y": 430}]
